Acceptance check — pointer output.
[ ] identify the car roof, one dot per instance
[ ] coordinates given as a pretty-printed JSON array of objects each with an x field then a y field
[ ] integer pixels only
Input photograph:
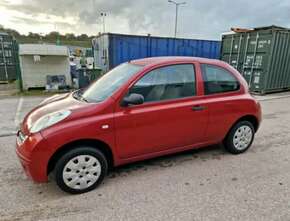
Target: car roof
[{"x": 162, "y": 60}]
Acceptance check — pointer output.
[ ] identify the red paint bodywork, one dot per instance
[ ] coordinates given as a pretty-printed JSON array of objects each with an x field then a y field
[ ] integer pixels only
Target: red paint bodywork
[{"x": 142, "y": 131}]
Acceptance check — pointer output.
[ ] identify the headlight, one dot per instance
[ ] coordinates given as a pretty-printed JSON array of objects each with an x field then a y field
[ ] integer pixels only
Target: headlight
[{"x": 49, "y": 120}]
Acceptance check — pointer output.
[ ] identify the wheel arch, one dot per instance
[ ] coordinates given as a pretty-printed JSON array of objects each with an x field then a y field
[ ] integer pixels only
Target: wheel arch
[
  {"x": 98, "y": 144},
  {"x": 250, "y": 118}
]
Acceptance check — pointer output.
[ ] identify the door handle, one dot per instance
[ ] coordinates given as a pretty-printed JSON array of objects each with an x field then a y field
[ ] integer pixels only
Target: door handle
[{"x": 198, "y": 108}]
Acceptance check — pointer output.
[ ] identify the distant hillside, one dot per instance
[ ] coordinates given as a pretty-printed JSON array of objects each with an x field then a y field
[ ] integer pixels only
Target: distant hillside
[
  {"x": 82, "y": 40},
  {"x": 80, "y": 43}
]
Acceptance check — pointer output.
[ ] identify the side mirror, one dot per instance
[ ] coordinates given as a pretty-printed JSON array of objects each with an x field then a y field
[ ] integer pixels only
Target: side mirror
[{"x": 133, "y": 99}]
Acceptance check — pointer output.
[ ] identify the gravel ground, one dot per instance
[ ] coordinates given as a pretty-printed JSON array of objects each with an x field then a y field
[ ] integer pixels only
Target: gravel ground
[{"x": 206, "y": 184}]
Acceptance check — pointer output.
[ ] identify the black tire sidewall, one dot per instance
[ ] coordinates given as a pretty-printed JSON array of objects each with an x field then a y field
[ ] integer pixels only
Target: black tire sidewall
[
  {"x": 229, "y": 144},
  {"x": 58, "y": 171}
]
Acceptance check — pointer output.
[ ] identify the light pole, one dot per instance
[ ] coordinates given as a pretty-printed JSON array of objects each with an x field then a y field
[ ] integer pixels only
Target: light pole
[
  {"x": 104, "y": 14},
  {"x": 177, "y": 4},
  {"x": 41, "y": 34}
]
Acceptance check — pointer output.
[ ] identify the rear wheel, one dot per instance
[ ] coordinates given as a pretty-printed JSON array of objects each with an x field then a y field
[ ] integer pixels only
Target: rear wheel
[
  {"x": 81, "y": 170},
  {"x": 240, "y": 137}
]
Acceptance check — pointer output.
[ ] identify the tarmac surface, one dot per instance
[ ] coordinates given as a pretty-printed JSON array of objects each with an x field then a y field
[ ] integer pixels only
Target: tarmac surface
[{"x": 205, "y": 184}]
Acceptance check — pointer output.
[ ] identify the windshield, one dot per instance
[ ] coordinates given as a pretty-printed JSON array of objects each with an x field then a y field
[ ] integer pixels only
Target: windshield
[{"x": 110, "y": 82}]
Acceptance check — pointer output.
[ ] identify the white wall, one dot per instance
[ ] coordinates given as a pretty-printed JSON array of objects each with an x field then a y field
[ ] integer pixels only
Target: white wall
[{"x": 34, "y": 73}]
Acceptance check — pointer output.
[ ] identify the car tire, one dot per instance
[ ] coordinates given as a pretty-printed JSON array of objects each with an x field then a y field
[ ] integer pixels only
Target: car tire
[
  {"x": 80, "y": 170},
  {"x": 240, "y": 137}
]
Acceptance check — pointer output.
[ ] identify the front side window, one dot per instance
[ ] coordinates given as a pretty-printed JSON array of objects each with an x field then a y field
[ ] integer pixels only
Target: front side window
[
  {"x": 218, "y": 80},
  {"x": 170, "y": 82}
]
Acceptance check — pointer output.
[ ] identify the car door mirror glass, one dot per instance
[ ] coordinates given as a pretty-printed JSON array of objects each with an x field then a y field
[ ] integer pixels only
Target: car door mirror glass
[{"x": 133, "y": 99}]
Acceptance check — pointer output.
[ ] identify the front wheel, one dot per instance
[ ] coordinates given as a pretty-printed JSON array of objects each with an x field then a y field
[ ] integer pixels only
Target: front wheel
[
  {"x": 240, "y": 137},
  {"x": 80, "y": 170}
]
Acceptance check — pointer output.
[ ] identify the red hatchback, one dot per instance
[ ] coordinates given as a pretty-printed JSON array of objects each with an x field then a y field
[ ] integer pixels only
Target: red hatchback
[{"x": 139, "y": 110}]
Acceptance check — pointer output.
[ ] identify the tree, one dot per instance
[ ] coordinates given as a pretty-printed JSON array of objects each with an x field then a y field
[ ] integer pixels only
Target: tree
[
  {"x": 9, "y": 31},
  {"x": 33, "y": 35},
  {"x": 52, "y": 35},
  {"x": 70, "y": 36},
  {"x": 83, "y": 37}
]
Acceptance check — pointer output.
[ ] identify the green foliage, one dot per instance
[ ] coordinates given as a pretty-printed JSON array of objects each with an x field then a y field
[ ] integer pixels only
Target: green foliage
[{"x": 82, "y": 40}]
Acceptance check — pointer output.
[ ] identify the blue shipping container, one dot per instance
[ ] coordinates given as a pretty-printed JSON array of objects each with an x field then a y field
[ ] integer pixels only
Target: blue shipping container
[{"x": 111, "y": 49}]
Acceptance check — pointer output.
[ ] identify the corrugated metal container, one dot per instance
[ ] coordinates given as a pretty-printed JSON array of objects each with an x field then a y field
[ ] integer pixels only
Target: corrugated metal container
[
  {"x": 262, "y": 56},
  {"x": 8, "y": 54},
  {"x": 112, "y": 49}
]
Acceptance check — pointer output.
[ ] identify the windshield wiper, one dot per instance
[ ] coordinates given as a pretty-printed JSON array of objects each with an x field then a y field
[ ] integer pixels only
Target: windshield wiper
[
  {"x": 84, "y": 99},
  {"x": 78, "y": 95}
]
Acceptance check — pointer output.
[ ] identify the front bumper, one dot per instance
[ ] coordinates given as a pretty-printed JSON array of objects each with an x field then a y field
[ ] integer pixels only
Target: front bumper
[
  {"x": 31, "y": 156},
  {"x": 25, "y": 163}
]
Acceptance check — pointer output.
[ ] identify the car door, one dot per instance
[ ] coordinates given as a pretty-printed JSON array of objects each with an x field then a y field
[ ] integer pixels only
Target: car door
[
  {"x": 172, "y": 115},
  {"x": 223, "y": 99}
]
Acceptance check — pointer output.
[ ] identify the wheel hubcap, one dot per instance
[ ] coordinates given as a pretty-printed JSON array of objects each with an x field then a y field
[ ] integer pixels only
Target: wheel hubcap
[
  {"x": 243, "y": 137},
  {"x": 81, "y": 172}
]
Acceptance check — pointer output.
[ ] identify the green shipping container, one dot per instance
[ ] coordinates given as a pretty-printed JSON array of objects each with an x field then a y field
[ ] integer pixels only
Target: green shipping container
[
  {"x": 262, "y": 56},
  {"x": 8, "y": 57}
]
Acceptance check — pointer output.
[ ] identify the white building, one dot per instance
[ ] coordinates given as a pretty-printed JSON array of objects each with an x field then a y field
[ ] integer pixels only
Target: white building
[{"x": 37, "y": 61}]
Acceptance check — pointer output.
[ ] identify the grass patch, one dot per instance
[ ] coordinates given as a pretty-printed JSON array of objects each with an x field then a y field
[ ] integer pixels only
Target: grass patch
[{"x": 78, "y": 43}]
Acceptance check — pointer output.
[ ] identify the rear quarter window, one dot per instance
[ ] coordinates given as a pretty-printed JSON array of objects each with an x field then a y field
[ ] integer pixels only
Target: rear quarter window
[{"x": 218, "y": 80}]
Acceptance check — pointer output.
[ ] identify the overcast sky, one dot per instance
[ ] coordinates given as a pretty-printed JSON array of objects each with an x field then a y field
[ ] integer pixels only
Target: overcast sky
[{"x": 205, "y": 19}]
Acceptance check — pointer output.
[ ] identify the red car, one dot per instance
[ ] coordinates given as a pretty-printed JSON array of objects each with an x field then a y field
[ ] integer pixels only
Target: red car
[{"x": 141, "y": 109}]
